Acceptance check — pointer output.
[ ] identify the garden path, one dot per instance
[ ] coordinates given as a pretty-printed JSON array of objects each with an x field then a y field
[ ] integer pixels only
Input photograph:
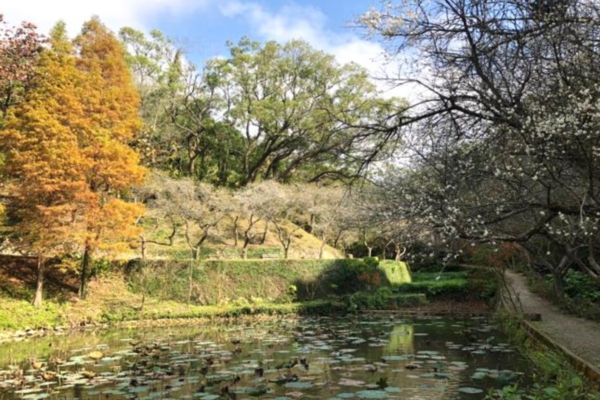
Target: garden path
[{"x": 580, "y": 336}]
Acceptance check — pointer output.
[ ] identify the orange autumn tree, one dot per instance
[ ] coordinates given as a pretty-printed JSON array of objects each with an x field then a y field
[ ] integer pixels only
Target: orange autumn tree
[
  {"x": 111, "y": 105},
  {"x": 44, "y": 162}
]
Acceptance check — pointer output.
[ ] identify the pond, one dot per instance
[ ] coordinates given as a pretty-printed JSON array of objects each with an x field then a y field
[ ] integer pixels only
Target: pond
[{"x": 358, "y": 357}]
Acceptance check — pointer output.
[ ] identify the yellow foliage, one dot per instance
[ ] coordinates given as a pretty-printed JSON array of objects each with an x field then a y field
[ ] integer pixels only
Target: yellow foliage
[{"x": 66, "y": 147}]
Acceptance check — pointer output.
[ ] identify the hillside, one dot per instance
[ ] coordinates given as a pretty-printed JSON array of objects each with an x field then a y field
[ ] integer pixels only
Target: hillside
[{"x": 221, "y": 242}]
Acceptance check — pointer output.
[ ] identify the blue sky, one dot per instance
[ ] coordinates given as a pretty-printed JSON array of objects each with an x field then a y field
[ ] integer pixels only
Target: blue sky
[
  {"x": 202, "y": 27},
  {"x": 204, "y": 32}
]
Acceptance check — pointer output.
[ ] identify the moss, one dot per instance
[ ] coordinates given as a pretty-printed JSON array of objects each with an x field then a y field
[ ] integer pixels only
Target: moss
[{"x": 397, "y": 272}]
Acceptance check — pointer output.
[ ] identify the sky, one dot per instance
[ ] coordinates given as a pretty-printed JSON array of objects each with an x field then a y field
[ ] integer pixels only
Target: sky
[{"x": 202, "y": 27}]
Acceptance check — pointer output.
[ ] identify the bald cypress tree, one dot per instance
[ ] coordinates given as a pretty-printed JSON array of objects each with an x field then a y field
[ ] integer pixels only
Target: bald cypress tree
[
  {"x": 111, "y": 106},
  {"x": 44, "y": 162}
]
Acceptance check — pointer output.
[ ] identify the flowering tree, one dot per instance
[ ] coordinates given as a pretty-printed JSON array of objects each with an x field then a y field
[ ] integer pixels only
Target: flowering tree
[
  {"x": 505, "y": 143},
  {"x": 19, "y": 53}
]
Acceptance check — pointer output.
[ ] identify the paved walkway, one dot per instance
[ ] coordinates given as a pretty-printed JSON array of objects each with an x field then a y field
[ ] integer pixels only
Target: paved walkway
[{"x": 580, "y": 336}]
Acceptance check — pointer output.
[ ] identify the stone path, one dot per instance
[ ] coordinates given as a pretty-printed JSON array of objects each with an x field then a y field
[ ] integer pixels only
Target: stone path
[{"x": 580, "y": 336}]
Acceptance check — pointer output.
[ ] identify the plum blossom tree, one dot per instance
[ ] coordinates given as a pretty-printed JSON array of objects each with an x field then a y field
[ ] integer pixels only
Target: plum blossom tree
[
  {"x": 20, "y": 48},
  {"x": 504, "y": 145}
]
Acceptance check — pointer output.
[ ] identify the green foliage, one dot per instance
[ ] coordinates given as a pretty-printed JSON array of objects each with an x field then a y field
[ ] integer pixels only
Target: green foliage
[
  {"x": 383, "y": 298},
  {"x": 19, "y": 314},
  {"x": 581, "y": 294},
  {"x": 396, "y": 272},
  {"x": 215, "y": 280},
  {"x": 579, "y": 286},
  {"x": 459, "y": 285}
]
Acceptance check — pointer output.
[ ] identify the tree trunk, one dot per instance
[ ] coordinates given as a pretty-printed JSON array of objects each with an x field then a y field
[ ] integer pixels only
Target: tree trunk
[
  {"x": 265, "y": 231},
  {"x": 85, "y": 271},
  {"x": 286, "y": 251},
  {"x": 558, "y": 285},
  {"x": 191, "y": 274},
  {"x": 321, "y": 248},
  {"x": 39, "y": 284},
  {"x": 369, "y": 251},
  {"x": 143, "y": 247},
  {"x": 236, "y": 233}
]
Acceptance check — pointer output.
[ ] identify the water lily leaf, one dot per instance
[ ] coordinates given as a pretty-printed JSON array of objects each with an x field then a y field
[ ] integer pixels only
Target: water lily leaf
[
  {"x": 470, "y": 390},
  {"x": 372, "y": 394},
  {"x": 298, "y": 385}
]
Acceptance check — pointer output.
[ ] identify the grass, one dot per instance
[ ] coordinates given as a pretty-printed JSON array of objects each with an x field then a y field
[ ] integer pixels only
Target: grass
[
  {"x": 232, "y": 288},
  {"x": 224, "y": 281},
  {"x": 383, "y": 299},
  {"x": 458, "y": 285},
  {"x": 19, "y": 314},
  {"x": 111, "y": 301}
]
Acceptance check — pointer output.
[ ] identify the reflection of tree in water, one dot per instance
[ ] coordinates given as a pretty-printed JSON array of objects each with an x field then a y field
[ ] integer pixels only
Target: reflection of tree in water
[{"x": 401, "y": 340}]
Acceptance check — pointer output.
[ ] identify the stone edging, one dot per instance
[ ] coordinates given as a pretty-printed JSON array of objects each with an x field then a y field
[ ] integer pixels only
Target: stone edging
[{"x": 588, "y": 370}]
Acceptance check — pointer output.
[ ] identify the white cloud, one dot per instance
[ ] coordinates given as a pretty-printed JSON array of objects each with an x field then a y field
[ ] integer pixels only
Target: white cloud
[
  {"x": 310, "y": 25},
  {"x": 114, "y": 13},
  {"x": 291, "y": 21}
]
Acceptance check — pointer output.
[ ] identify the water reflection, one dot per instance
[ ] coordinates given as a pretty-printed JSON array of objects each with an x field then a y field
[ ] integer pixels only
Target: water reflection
[{"x": 357, "y": 357}]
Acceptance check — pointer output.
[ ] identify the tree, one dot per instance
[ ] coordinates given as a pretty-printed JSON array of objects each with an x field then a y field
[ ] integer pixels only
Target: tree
[
  {"x": 285, "y": 210},
  {"x": 196, "y": 207},
  {"x": 300, "y": 113},
  {"x": 20, "y": 49},
  {"x": 157, "y": 67},
  {"x": 254, "y": 202},
  {"x": 157, "y": 193},
  {"x": 504, "y": 144},
  {"x": 327, "y": 209},
  {"x": 44, "y": 162},
  {"x": 179, "y": 108},
  {"x": 110, "y": 103}
]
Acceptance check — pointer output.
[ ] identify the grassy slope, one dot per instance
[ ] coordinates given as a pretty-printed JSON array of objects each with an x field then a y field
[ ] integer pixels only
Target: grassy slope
[{"x": 110, "y": 300}]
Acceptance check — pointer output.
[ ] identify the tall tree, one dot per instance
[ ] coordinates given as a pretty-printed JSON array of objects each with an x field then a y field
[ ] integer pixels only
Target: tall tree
[
  {"x": 300, "y": 113},
  {"x": 44, "y": 161},
  {"x": 111, "y": 104}
]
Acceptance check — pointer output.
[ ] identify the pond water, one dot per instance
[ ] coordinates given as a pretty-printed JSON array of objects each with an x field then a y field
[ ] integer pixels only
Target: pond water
[{"x": 359, "y": 357}]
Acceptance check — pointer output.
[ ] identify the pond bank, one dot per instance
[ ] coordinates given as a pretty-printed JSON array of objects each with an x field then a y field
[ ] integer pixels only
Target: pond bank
[{"x": 201, "y": 315}]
